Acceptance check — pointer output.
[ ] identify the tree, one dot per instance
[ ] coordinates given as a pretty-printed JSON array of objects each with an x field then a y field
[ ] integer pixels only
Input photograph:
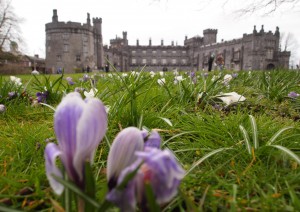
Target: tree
[
  {"x": 288, "y": 42},
  {"x": 9, "y": 25},
  {"x": 266, "y": 6}
]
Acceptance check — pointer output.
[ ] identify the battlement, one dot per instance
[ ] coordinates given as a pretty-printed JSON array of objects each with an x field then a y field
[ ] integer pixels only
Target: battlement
[
  {"x": 210, "y": 31},
  {"x": 97, "y": 20}
]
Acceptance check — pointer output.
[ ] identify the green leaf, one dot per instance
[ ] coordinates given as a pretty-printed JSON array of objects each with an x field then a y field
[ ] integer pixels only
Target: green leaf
[
  {"x": 152, "y": 205},
  {"x": 288, "y": 152},
  {"x": 3, "y": 208},
  {"x": 90, "y": 186},
  {"x": 77, "y": 191},
  {"x": 276, "y": 135},
  {"x": 246, "y": 138},
  {"x": 167, "y": 121},
  {"x": 204, "y": 158},
  {"x": 254, "y": 132},
  {"x": 294, "y": 197}
]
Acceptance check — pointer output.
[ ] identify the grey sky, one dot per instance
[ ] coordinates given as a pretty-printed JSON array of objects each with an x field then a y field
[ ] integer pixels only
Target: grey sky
[{"x": 170, "y": 20}]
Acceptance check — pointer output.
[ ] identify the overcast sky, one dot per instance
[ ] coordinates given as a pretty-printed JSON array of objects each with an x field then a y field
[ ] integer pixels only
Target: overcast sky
[{"x": 170, "y": 20}]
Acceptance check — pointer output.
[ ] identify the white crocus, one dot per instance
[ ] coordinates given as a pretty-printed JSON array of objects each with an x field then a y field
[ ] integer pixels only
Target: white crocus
[
  {"x": 152, "y": 74},
  {"x": 232, "y": 97},
  {"x": 227, "y": 78},
  {"x": 90, "y": 94},
  {"x": 16, "y": 80},
  {"x": 161, "y": 81},
  {"x": 161, "y": 73}
]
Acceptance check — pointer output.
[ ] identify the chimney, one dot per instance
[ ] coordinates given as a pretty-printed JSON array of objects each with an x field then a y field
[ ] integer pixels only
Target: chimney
[
  {"x": 137, "y": 42},
  {"x": 54, "y": 17},
  {"x": 162, "y": 42},
  {"x": 88, "y": 20},
  {"x": 150, "y": 43}
]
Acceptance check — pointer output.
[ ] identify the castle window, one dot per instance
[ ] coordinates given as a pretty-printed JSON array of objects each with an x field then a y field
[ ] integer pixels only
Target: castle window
[
  {"x": 49, "y": 49},
  {"x": 133, "y": 52},
  {"x": 174, "y": 52},
  {"x": 58, "y": 57},
  {"x": 236, "y": 55},
  {"x": 164, "y": 52},
  {"x": 183, "y": 52},
  {"x": 133, "y": 61},
  {"x": 174, "y": 61},
  {"x": 78, "y": 58},
  {"x": 144, "y": 51},
  {"x": 49, "y": 37},
  {"x": 164, "y": 61},
  {"x": 144, "y": 61},
  {"x": 154, "y": 61},
  {"x": 269, "y": 54},
  {"x": 183, "y": 61},
  {"x": 153, "y": 52},
  {"x": 66, "y": 47}
]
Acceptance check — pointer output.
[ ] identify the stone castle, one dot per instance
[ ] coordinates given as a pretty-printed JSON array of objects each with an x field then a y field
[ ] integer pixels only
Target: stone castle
[{"x": 74, "y": 46}]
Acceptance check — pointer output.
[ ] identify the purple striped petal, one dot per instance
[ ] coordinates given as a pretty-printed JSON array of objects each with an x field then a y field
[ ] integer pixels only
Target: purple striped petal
[
  {"x": 153, "y": 140},
  {"x": 122, "y": 153},
  {"x": 91, "y": 129},
  {"x": 51, "y": 153},
  {"x": 66, "y": 119}
]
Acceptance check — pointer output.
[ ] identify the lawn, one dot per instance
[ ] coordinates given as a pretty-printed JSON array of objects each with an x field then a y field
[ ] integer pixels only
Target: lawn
[{"x": 241, "y": 156}]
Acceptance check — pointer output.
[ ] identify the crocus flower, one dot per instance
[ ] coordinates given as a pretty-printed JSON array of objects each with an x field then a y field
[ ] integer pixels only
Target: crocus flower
[
  {"x": 2, "y": 108},
  {"x": 152, "y": 140},
  {"x": 159, "y": 169},
  {"x": 92, "y": 93},
  {"x": 122, "y": 153},
  {"x": 293, "y": 95},
  {"x": 70, "y": 80},
  {"x": 152, "y": 74},
  {"x": 161, "y": 81},
  {"x": 41, "y": 96},
  {"x": 232, "y": 97},
  {"x": 234, "y": 75},
  {"x": 79, "y": 125},
  {"x": 16, "y": 80},
  {"x": 227, "y": 78},
  {"x": 161, "y": 73},
  {"x": 12, "y": 94}
]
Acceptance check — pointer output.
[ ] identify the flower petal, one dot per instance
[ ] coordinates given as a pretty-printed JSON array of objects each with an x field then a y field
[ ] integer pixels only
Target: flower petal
[
  {"x": 91, "y": 129},
  {"x": 51, "y": 152},
  {"x": 66, "y": 118},
  {"x": 122, "y": 153}
]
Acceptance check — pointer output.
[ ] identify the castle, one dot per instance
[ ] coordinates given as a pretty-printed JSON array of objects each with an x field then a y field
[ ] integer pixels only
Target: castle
[{"x": 74, "y": 46}]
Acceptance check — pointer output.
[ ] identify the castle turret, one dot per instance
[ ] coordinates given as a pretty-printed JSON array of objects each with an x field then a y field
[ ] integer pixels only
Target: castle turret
[
  {"x": 88, "y": 19},
  {"x": 277, "y": 33},
  {"x": 254, "y": 30},
  {"x": 54, "y": 17},
  {"x": 125, "y": 38},
  {"x": 162, "y": 42},
  {"x": 150, "y": 42},
  {"x": 137, "y": 42},
  {"x": 210, "y": 36},
  {"x": 98, "y": 25},
  {"x": 262, "y": 29}
]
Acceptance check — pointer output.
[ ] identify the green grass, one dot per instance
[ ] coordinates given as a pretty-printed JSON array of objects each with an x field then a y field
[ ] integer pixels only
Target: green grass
[{"x": 236, "y": 157}]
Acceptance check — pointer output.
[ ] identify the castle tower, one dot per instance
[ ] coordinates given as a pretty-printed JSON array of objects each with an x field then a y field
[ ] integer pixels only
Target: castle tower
[
  {"x": 125, "y": 38},
  {"x": 210, "y": 36},
  {"x": 54, "y": 17},
  {"x": 99, "y": 52}
]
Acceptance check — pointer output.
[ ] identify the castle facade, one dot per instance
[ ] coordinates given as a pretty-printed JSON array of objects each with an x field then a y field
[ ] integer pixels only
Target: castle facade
[{"x": 74, "y": 46}]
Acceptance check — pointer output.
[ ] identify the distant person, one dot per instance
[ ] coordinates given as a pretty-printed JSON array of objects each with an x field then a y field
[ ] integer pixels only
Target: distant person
[
  {"x": 165, "y": 69},
  {"x": 88, "y": 69},
  {"x": 220, "y": 62},
  {"x": 210, "y": 61},
  {"x": 106, "y": 68}
]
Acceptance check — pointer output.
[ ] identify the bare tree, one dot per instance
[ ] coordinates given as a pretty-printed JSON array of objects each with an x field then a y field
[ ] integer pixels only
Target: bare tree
[
  {"x": 288, "y": 42},
  {"x": 266, "y": 6},
  {"x": 9, "y": 25}
]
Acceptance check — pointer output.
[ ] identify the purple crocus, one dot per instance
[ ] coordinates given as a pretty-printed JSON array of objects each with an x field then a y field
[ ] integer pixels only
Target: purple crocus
[
  {"x": 12, "y": 94},
  {"x": 122, "y": 153},
  {"x": 41, "y": 96},
  {"x": 159, "y": 169},
  {"x": 2, "y": 108},
  {"x": 70, "y": 80},
  {"x": 152, "y": 140},
  {"x": 293, "y": 95},
  {"x": 79, "y": 125}
]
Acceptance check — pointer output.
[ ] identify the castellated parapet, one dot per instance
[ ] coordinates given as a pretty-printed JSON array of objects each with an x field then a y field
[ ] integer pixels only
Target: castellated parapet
[{"x": 73, "y": 46}]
